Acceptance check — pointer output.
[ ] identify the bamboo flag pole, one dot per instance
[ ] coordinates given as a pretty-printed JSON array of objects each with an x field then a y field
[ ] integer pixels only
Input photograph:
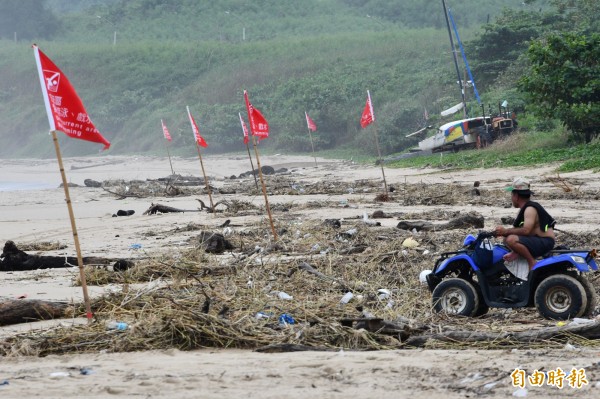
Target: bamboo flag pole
[
  {"x": 86, "y": 298},
  {"x": 245, "y": 130},
  {"x": 198, "y": 140},
  {"x": 379, "y": 155},
  {"x": 67, "y": 114},
  {"x": 252, "y": 165},
  {"x": 169, "y": 155},
  {"x": 264, "y": 188},
  {"x": 368, "y": 117},
  {"x": 313, "y": 147},
  {"x": 206, "y": 180},
  {"x": 168, "y": 138},
  {"x": 259, "y": 126},
  {"x": 308, "y": 127}
]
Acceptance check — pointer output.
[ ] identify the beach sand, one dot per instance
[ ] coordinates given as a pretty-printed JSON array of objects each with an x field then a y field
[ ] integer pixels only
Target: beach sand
[{"x": 40, "y": 214}]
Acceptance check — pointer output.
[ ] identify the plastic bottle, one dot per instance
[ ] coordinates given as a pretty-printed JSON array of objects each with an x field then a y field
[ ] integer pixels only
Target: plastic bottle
[
  {"x": 116, "y": 325},
  {"x": 346, "y": 298}
]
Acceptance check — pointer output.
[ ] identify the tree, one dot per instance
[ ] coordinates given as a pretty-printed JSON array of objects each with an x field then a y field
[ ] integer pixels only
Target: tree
[{"x": 564, "y": 81}]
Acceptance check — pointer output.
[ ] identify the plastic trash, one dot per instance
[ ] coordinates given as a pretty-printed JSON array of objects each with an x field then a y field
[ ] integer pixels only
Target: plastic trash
[
  {"x": 135, "y": 246},
  {"x": 578, "y": 321},
  {"x": 423, "y": 276},
  {"x": 284, "y": 296},
  {"x": 286, "y": 319},
  {"x": 315, "y": 247},
  {"x": 520, "y": 393},
  {"x": 85, "y": 371},
  {"x": 116, "y": 325},
  {"x": 410, "y": 243},
  {"x": 346, "y": 298},
  {"x": 262, "y": 315},
  {"x": 60, "y": 374},
  {"x": 383, "y": 293},
  {"x": 4, "y": 382},
  {"x": 351, "y": 232}
]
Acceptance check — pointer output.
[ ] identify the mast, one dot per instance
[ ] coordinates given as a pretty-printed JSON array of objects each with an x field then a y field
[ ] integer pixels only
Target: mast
[{"x": 460, "y": 83}]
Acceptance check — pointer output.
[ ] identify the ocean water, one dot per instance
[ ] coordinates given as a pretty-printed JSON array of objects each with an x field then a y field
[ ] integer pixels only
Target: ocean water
[{"x": 17, "y": 186}]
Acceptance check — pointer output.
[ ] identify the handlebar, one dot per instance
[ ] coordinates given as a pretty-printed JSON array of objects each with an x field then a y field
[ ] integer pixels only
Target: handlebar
[{"x": 486, "y": 234}]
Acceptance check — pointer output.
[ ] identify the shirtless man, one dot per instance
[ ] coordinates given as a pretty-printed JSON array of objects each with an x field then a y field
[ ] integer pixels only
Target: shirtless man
[{"x": 532, "y": 234}]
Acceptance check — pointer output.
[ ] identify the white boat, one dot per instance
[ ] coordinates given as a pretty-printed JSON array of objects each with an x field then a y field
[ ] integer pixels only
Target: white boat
[{"x": 454, "y": 135}]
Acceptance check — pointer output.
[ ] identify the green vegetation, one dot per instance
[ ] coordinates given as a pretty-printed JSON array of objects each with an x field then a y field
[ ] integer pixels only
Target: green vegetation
[
  {"x": 137, "y": 61},
  {"x": 520, "y": 149}
]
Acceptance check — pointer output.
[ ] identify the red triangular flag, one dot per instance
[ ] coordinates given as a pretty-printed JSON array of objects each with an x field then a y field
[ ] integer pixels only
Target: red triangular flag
[
  {"x": 258, "y": 123},
  {"x": 312, "y": 126},
  {"x": 201, "y": 142},
  {"x": 368, "y": 116},
  {"x": 244, "y": 129},
  {"x": 65, "y": 109},
  {"x": 165, "y": 131}
]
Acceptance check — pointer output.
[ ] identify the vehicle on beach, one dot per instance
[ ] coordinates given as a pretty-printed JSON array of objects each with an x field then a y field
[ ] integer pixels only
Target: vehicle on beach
[{"x": 469, "y": 281}]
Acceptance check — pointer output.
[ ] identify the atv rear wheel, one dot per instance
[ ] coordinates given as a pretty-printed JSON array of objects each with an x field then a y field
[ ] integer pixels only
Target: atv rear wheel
[
  {"x": 590, "y": 293},
  {"x": 560, "y": 297},
  {"x": 455, "y": 296}
]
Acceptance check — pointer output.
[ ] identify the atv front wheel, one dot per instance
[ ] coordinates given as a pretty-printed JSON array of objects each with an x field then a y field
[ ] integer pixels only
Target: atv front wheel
[
  {"x": 560, "y": 297},
  {"x": 455, "y": 296},
  {"x": 590, "y": 293}
]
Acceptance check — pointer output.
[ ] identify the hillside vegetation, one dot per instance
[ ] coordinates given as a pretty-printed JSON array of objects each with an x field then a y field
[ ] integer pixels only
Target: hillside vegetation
[{"x": 135, "y": 62}]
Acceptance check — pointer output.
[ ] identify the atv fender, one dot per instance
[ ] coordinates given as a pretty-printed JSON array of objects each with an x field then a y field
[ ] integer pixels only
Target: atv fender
[
  {"x": 567, "y": 258},
  {"x": 453, "y": 259}
]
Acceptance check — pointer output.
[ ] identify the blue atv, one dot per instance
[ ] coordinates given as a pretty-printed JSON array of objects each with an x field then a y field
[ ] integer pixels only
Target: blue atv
[{"x": 469, "y": 281}]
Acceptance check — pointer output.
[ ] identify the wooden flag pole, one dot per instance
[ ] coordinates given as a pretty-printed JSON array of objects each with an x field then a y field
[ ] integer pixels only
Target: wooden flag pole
[
  {"x": 251, "y": 164},
  {"x": 86, "y": 298},
  {"x": 169, "y": 154},
  {"x": 379, "y": 155},
  {"x": 264, "y": 189},
  {"x": 313, "y": 147},
  {"x": 206, "y": 180}
]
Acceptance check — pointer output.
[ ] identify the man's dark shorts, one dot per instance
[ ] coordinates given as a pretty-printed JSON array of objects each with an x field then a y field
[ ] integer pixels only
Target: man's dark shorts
[{"x": 537, "y": 246}]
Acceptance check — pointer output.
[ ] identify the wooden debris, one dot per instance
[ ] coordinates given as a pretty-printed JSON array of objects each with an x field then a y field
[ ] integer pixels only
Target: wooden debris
[
  {"x": 158, "y": 208},
  {"x": 469, "y": 220},
  {"x": 24, "y": 310},
  {"x": 13, "y": 259},
  {"x": 589, "y": 330}
]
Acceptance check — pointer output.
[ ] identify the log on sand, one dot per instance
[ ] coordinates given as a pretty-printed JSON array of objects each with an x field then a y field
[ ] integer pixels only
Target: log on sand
[
  {"x": 23, "y": 311},
  {"x": 469, "y": 220},
  {"x": 589, "y": 330},
  {"x": 13, "y": 259}
]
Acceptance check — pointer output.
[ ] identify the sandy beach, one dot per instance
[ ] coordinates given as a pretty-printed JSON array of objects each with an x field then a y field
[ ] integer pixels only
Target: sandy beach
[{"x": 33, "y": 209}]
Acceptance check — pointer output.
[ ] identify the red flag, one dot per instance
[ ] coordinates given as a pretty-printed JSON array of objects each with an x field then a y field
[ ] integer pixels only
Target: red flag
[
  {"x": 165, "y": 131},
  {"x": 197, "y": 137},
  {"x": 312, "y": 126},
  {"x": 258, "y": 123},
  {"x": 64, "y": 107},
  {"x": 244, "y": 128},
  {"x": 368, "y": 116}
]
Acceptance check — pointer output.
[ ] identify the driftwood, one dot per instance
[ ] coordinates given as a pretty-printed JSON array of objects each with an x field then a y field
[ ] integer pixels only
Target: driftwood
[
  {"x": 589, "y": 330},
  {"x": 212, "y": 209},
  {"x": 469, "y": 220},
  {"x": 121, "y": 195},
  {"x": 158, "y": 208},
  {"x": 308, "y": 268},
  {"x": 13, "y": 259},
  {"x": 22, "y": 311}
]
